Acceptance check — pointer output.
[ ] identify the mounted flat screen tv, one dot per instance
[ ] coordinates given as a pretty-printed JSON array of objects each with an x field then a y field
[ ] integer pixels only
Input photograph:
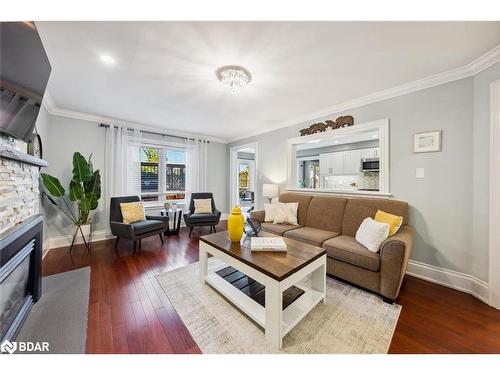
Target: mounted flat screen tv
[{"x": 24, "y": 73}]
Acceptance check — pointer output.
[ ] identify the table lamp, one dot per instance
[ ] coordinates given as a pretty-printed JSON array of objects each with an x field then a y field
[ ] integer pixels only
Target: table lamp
[{"x": 270, "y": 191}]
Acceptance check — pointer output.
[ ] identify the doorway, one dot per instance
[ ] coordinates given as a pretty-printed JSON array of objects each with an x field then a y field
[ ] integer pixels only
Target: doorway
[{"x": 243, "y": 165}]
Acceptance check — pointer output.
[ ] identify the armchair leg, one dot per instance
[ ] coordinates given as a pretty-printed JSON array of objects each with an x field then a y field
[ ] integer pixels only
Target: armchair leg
[
  {"x": 190, "y": 230},
  {"x": 213, "y": 226},
  {"x": 135, "y": 246},
  {"x": 140, "y": 244},
  {"x": 161, "y": 237},
  {"x": 116, "y": 242}
]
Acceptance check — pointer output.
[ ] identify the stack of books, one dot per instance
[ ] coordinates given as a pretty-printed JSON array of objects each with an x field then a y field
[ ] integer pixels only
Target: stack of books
[{"x": 267, "y": 244}]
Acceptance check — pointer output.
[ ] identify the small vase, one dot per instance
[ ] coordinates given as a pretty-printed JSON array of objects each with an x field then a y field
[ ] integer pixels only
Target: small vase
[{"x": 235, "y": 224}]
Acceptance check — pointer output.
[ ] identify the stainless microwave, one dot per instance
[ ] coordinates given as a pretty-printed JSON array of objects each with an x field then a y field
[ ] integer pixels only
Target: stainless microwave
[{"x": 370, "y": 164}]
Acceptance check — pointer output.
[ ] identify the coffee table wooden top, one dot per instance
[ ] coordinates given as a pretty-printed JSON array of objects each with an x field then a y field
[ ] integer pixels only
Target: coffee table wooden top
[{"x": 278, "y": 265}]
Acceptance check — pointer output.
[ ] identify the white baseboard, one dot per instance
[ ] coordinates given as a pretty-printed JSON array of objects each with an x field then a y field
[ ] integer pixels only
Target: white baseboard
[
  {"x": 451, "y": 279},
  {"x": 62, "y": 241}
]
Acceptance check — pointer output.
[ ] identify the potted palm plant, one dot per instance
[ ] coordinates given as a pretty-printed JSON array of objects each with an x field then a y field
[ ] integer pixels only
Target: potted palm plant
[{"x": 84, "y": 192}]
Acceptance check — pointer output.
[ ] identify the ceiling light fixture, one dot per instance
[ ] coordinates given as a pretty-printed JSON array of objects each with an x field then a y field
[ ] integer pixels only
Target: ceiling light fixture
[
  {"x": 107, "y": 59},
  {"x": 233, "y": 77}
]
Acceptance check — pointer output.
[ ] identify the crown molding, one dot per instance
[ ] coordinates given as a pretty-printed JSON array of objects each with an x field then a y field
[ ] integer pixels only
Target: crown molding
[
  {"x": 483, "y": 62},
  {"x": 469, "y": 70},
  {"x": 52, "y": 108}
]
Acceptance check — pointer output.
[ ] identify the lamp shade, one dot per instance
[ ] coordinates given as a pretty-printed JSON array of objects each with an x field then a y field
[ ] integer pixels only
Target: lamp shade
[{"x": 270, "y": 190}]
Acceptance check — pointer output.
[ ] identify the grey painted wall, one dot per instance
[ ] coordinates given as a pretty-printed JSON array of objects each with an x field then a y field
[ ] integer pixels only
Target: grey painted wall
[
  {"x": 441, "y": 204},
  {"x": 66, "y": 135}
]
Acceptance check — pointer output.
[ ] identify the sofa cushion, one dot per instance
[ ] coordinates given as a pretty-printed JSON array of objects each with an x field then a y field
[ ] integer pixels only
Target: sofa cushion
[
  {"x": 278, "y": 229},
  {"x": 144, "y": 226},
  {"x": 347, "y": 249},
  {"x": 358, "y": 209},
  {"x": 202, "y": 218},
  {"x": 326, "y": 213},
  {"x": 303, "y": 201},
  {"x": 310, "y": 235}
]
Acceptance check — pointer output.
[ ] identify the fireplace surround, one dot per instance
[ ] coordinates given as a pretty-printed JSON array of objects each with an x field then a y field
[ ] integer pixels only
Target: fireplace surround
[{"x": 20, "y": 274}]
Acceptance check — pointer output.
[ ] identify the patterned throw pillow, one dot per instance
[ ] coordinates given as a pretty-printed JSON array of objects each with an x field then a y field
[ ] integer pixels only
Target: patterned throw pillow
[
  {"x": 203, "y": 206},
  {"x": 132, "y": 212}
]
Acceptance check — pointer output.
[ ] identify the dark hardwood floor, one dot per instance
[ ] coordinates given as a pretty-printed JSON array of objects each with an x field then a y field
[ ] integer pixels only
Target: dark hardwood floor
[{"x": 129, "y": 313}]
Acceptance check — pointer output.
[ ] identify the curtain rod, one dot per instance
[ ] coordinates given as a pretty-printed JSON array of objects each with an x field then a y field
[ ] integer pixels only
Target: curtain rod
[{"x": 152, "y": 133}]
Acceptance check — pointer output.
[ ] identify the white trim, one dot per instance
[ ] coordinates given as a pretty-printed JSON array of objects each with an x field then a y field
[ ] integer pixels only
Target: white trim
[
  {"x": 55, "y": 242},
  {"x": 62, "y": 241},
  {"x": 449, "y": 278},
  {"x": 494, "y": 220},
  {"x": 382, "y": 126},
  {"x": 233, "y": 174},
  {"x": 343, "y": 193},
  {"x": 484, "y": 61},
  {"x": 53, "y": 109},
  {"x": 469, "y": 70}
]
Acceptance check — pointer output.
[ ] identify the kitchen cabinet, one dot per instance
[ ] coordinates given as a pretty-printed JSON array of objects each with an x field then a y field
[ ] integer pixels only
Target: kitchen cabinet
[
  {"x": 352, "y": 162},
  {"x": 370, "y": 153},
  {"x": 340, "y": 163}
]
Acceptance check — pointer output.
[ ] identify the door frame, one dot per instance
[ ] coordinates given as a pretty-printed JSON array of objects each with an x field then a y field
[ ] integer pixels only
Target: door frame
[
  {"x": 233, "y": 173},
  {"x": 494, "y": 222}
]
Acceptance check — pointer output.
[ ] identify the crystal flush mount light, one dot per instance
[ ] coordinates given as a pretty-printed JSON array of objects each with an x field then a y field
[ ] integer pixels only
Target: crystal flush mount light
[{"x": 233, "y": 77}]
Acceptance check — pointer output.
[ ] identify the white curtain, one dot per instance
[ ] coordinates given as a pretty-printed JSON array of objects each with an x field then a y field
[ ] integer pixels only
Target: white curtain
[
  {"x": 117, "y": 158},
  {"x": 196, "y": 167}
]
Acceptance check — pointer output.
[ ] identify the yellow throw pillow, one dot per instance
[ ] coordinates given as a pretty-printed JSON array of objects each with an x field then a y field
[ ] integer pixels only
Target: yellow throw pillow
[
  {"x": 203, "y": 206},
  {"x": 132, "y": 212},
  {"x": 393, "y": 221}
]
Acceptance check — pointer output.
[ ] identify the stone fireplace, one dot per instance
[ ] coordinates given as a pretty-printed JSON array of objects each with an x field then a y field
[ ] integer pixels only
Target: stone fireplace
[{"x": 21, "y": 242}]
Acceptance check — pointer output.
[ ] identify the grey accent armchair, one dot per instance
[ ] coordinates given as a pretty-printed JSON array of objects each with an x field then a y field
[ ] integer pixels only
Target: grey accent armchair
[
  {"x": 192, "y": 219},
  {"x": 136, "y": 231}
]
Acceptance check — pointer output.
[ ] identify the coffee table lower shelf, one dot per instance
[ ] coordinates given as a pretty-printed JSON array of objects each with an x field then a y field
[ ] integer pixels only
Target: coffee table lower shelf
[
  {"x": 292, "y": 314},
  {"x": 275, "y": 320}
]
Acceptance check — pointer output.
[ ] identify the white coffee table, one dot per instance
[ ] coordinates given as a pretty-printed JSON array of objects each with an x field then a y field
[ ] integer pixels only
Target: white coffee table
[{"x": 276, "y": 271}]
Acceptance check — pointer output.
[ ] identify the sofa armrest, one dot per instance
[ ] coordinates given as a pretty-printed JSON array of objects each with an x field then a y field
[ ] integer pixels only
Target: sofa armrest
[
  {"x": 121, "y": 229},
  {"x": 259, "y": 215},
  {"x": 394, "y": 256},
  {"x": 218, "y": 213}
]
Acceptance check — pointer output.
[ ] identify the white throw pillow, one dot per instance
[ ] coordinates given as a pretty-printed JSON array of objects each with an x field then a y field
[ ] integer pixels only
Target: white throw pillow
[
  {"x": 271, "y": 209},
  {"x": 203, "y": 206},
  {"x": 371, "y": 234},
  {"x": 287, "y": 213}
]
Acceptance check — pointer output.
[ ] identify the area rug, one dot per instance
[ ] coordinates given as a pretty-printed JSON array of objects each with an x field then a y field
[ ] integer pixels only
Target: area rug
[
  {"x": 350, "y": 321},
  {"x": 60, "y": 316}
]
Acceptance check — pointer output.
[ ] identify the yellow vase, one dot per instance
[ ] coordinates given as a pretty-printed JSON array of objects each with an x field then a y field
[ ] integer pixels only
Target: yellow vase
[{"x": 235, "y": 223}]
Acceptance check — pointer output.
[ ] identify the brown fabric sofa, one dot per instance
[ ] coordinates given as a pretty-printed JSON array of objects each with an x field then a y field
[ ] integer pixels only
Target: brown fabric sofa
[{"x": 331, "y": 222}]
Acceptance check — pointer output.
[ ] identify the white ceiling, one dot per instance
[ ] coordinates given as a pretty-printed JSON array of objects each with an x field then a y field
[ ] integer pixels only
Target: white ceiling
[{"x": 164, "y": 72}]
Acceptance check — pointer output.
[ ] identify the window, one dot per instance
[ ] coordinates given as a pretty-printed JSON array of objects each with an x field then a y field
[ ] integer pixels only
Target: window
[
  {"x": 163, "y": 174},
  {"x": 244, "y": 176}
]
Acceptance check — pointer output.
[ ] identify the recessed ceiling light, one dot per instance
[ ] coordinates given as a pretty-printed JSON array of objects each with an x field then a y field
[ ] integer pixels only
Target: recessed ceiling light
[
  {"x": 107, "y": 59},
  {"x": 375, "y": 136},
  {"x": 336, "y": 142}
]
